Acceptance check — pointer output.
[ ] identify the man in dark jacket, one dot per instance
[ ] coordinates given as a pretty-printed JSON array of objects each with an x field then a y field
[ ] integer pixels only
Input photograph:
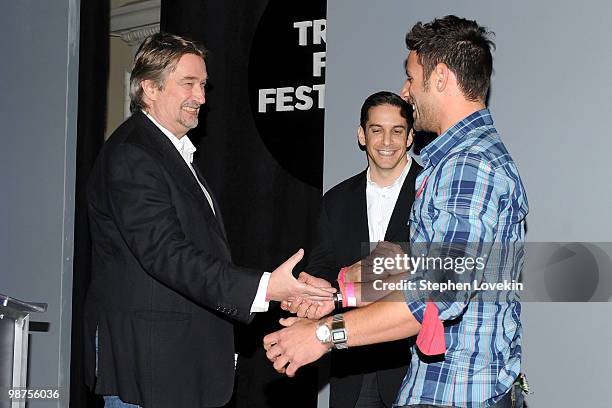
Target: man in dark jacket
[
  {"x": 371, "y": 206},
  {"x": 164, "y": 288}
]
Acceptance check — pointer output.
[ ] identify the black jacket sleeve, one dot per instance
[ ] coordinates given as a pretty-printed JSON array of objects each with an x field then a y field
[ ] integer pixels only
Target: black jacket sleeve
[{"x": 322, "y": 260}]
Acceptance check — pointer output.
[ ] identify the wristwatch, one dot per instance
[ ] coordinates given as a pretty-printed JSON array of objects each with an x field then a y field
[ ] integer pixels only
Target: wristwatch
[
  {"x": 323, "y": 332},
  {"x": 336, "y": 335},
  {"x": 339, "y": 335}
]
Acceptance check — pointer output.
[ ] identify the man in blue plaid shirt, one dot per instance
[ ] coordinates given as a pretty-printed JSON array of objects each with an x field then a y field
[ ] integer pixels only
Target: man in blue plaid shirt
[{"x": 470, "y": 203}]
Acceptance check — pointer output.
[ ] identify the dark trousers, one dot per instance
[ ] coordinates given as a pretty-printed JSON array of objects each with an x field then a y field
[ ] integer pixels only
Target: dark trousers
[{"x": 369, "y": 396}]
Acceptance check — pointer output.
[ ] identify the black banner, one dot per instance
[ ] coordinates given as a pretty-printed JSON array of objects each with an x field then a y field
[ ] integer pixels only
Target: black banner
[{"x": 263, "y": 165}]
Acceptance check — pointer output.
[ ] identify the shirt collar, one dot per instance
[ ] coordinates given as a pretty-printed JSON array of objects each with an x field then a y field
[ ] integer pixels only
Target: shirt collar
[
  {"x": 399, "y": 180},
  {"x": 440, "y": 146},
  {"x": 184, "y": 145}
]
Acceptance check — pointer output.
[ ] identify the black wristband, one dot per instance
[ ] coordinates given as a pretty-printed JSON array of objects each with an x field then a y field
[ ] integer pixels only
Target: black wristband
[
  {"x": 336, "y": 284},
  {"x": 337, "y": 301}
]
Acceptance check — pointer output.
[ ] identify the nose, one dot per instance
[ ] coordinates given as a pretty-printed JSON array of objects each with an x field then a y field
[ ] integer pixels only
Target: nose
[
  {"x": 387, "y": 138},
  {"x": 199, "y": 94},
  {"x": 405, "y": 92}
]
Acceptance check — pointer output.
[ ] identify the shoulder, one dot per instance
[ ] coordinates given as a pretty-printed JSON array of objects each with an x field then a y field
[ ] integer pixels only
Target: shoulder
[
  {"x": 415, "y": 169},
  {"x": 137, "y": 129},
  {"x": 481, "y": 158},
  {"x": 345, "y": 188},
  {"x": 482, "y": 146},
  {"x": 136, "y": 137}
]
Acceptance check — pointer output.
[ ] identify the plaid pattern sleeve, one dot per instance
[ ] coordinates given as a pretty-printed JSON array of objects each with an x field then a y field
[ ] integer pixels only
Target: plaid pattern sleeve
[{"x": 472, "y": 205}]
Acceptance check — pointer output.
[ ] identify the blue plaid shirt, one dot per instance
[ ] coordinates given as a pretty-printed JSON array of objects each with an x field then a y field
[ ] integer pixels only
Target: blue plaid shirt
[{"x": 470, "y": 193}]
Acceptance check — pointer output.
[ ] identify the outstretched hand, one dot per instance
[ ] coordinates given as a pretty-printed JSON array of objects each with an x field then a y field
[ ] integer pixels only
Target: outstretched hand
[{"x": 283, "y": 286}]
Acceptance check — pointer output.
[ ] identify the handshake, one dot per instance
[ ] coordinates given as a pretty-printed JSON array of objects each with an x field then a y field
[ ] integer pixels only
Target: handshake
[{"x": 312, "y": 299}]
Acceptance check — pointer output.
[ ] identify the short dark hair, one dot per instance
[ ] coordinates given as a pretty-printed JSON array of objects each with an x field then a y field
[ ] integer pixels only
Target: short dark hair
[
  {"x": 156, "y": 58},
  {"x": 385, "y": 98},
  {"x": 461, "y": 44}
]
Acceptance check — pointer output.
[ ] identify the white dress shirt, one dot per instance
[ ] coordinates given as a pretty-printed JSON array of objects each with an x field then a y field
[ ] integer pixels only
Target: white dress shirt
[
  {"x": 186, "y": 148},
  {"x": 381, "y": 202}
]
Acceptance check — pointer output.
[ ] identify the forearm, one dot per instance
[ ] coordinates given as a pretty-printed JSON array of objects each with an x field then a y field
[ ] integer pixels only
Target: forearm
[
  {"x": 378, "y": 322},
  {"x": 301, "y": 343}
]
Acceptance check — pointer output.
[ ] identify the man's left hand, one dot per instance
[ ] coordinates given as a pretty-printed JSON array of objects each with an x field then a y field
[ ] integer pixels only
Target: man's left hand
[
  {"x": 313, "y": 310},
  {"x": 294, "y": 346}
]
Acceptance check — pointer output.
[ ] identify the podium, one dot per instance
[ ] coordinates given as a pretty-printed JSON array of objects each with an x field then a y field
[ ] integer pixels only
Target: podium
[{"x": 14, "y": 327}]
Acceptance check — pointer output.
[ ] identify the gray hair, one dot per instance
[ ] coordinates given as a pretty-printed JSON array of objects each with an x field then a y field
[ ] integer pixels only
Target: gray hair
[{"x": 156, "y": 58}]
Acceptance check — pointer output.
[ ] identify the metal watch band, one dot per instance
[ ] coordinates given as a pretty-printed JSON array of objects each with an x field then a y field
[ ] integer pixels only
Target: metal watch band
[{"x": 339, "y": 335}]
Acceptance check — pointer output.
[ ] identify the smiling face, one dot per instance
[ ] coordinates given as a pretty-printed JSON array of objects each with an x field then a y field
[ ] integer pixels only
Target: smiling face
[
  {"x": 386, "y": 138},
  {"x": 177, "y": 104},
  {"x": 418, "y": 93}
]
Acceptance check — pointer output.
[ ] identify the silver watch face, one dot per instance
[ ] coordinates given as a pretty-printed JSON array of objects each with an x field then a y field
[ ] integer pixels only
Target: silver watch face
[
  {"x": 339, "y": 336},
  {"x": 323, "y": 333}
]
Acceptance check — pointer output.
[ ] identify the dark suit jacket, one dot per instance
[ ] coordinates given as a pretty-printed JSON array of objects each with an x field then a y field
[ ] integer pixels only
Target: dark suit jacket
[
  {"x": 343, "y": 227},
  {"x": 163, "y": 286}
]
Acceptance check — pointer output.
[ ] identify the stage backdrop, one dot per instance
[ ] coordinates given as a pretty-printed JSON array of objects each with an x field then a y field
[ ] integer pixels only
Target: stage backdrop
[{"x": 260, "y": 146}]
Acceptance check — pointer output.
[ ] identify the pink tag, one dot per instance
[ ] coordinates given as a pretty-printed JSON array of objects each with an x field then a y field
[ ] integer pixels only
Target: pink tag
[
  {"x": 430, "y": 340},
  {"x": 351, "y": 299}
]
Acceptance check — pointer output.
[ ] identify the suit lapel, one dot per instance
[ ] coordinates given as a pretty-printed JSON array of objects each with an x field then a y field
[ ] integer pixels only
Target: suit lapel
[
  {"x": 219, "y": 218},
  {"x": 359, "y": 203},
  {"x": 398, "y": 229},
  {"x": 173, "y": 161}
]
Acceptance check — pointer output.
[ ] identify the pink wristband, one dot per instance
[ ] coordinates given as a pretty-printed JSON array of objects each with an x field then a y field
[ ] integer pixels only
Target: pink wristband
[
  {"x": 343, "y": 292},
  {"x": 342, "y": 275},
  {"x": 351, "y": 300}
]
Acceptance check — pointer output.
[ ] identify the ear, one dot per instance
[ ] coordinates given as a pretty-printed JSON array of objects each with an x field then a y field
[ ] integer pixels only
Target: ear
[
  {"x": 441, "y": 76},
  {"x": 361, "y": 136},
  {"x": 410, "y": 138},
  {"x": 150, "y": 89}
]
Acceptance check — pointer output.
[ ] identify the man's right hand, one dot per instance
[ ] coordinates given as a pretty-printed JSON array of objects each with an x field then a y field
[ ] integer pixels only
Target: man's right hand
[
  {"x": 384, "y": 250},
  {"x": 283, "y": 286}
]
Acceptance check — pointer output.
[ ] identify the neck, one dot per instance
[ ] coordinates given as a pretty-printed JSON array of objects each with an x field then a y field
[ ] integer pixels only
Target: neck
[
  {"x": 161, "y": 123},
  {"x": 386, "y": 177},
  {"x": 453, "y": 113}
]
